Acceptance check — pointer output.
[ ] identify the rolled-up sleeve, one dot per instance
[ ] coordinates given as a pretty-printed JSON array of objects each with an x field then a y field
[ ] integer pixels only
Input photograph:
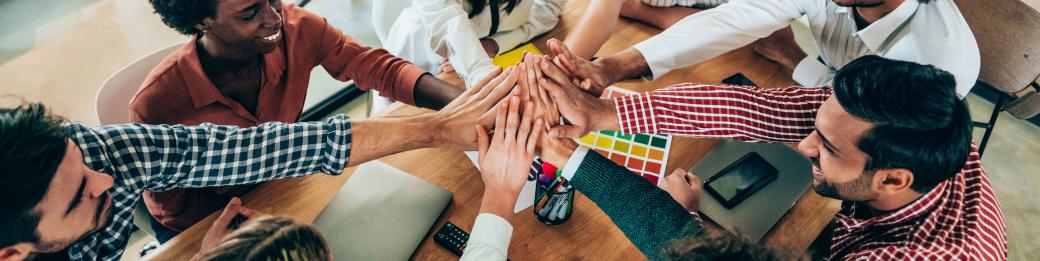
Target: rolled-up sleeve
[
  {"x": 715, "y": 31},
  {"x": 370, "y": 68}
]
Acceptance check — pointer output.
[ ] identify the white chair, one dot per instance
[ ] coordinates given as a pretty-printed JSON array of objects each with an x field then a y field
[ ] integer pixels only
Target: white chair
[
  {"x": 113, "y": 106},
  {"x": 113, "y": 100}
]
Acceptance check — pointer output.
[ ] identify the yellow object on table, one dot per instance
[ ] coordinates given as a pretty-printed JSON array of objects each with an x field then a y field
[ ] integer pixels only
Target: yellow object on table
[{"x": 511, "y": 58}]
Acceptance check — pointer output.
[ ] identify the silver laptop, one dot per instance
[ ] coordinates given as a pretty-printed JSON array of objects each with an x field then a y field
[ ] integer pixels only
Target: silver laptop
[
  {"x": 757, "y": 214},
  {"x": 381, "y": 213}
]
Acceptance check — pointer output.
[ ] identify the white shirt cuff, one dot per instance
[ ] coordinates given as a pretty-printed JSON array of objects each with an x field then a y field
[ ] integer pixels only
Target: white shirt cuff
[
  {"x": 657, "y": 57},
  {"x": 490, "y": 238},
  {"x": 810, "y": 72},
  {"x": 479, "y": 72},
  {"x": 574, "y": 162}
]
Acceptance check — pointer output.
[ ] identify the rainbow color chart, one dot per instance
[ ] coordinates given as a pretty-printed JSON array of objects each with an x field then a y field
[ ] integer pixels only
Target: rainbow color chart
[{"x": 645, "y": 155}]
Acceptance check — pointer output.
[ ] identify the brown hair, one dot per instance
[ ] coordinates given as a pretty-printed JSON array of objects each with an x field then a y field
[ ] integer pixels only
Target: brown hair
[
  {"x": 718, "y": 244},
  {"x": 272, "y": 238}
]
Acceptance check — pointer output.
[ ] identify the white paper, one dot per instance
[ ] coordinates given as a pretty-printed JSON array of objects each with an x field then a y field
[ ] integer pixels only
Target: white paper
[{"x": 526, "y": 198}]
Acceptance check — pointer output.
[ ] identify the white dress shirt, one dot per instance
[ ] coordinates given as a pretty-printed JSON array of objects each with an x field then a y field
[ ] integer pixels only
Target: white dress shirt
[
  {"x": 491, "y": 233},
  {"x": 934, "y": 33},
  {"x": 430, "y": 30},
  {"x": 490, "y": 238}
]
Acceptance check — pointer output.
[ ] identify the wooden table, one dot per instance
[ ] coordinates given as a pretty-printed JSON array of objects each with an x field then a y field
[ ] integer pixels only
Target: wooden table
[{"x": 589, "y": 234}]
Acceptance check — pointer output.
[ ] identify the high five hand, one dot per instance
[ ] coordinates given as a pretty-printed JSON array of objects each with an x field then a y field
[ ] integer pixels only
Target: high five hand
[
  {"x": 591, "y": 77},
  {"x": 583, "y": 111}
]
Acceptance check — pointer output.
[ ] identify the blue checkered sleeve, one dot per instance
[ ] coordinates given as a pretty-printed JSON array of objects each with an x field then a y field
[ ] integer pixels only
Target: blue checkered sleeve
[{"x": 161, "y": 157}]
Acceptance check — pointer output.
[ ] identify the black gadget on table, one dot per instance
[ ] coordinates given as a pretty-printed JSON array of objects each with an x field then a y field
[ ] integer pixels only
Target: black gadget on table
[{"x": 740, "y": 180}]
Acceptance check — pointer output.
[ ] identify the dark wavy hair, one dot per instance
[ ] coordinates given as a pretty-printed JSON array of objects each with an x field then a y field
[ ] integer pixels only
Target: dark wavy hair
[
  {"x": 32, "y": 145},
  {"x": 919, "y": 122},
  {"x": 183, "y": 15}
]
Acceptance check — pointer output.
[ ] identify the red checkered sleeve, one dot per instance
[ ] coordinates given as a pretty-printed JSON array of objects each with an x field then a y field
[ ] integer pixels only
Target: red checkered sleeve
[{"x": 744, "y": 113}]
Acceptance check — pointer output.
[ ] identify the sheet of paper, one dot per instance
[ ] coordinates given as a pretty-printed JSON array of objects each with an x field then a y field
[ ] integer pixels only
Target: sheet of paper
[{"x": 526, "y": 198}]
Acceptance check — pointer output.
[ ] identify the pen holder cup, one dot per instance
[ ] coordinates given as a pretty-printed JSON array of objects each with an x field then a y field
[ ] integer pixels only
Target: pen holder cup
[{"x": 554, "y": 207}]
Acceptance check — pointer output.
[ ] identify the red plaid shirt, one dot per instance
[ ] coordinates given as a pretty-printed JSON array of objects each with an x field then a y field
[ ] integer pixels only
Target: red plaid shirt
[{"x": 958, "y": 220}]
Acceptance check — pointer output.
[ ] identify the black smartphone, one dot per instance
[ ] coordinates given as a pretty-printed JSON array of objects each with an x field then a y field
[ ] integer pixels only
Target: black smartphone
[
  {"x": 739, "y": 79},
  {"x": 740, "y": 180}
]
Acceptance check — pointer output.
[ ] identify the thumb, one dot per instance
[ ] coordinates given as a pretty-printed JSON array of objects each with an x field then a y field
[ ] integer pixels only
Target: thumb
[
  {"x": 566, "y": 131},
  {"x": 229, "y": 213}
]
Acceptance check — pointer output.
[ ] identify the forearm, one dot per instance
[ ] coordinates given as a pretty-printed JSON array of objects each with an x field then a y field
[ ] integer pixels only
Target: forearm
[
  {"x": 626, "y": 64},
  {"x": 594, "y": 28},
  {"x": 499, "y": 203},
  {"x": 715, "y": 31},
  {"x": 177, "y": 156},
  {"x": 744, "y": 113},
  {"x": 375, "y": 138},
  {"x": 648, "y": 216},
  {"x": 433, "y": 93}
]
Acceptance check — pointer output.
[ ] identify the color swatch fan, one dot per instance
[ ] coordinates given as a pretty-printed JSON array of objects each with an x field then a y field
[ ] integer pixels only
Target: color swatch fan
[{"x": 645, "y": 155}]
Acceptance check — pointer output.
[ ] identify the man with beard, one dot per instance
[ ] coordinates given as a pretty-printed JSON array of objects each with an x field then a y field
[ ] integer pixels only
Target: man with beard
[
  {"x": 900, "y": 157},
  {"x": 67, "y": 185},
  {"x": 922, "y": 31}
]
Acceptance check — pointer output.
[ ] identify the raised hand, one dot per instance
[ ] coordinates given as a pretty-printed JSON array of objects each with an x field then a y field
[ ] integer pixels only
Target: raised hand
[
  {"x": 222, "y": 226},
  {"x": 505, "y": 157},
  {"x": 582, "y": 111},
  {"x": 473, "y": 107},
  {"x": 592, "y": 77},
  {"x": 684, "y": 187},
  {"x": 544, "y": 107}
]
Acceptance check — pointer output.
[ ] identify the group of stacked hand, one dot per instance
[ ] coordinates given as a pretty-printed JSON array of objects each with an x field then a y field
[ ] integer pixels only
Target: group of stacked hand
[{"x": 539, "y": 107}]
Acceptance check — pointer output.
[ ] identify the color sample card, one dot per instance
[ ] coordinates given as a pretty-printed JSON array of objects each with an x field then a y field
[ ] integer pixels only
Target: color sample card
[
  {"x": 511, "y": 58},
  {"x": 644, "y": 154}
]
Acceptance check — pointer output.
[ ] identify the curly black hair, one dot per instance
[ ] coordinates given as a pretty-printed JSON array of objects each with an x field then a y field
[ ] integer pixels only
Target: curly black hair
[{"x": 183, "y": 15}]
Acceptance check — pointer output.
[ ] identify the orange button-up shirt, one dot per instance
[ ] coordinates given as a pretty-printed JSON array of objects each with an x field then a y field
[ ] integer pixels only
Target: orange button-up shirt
[{"x": 178, "y": 91}]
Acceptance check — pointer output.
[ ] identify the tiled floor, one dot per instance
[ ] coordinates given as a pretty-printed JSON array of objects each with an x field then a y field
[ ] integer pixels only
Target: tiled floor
[{"x": 74, "y": 45}]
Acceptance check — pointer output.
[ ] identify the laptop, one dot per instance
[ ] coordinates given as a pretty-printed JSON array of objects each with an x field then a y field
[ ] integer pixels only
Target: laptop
[
  {"x": 755, "y": 215},
  {"x": 381, "y": 213}
]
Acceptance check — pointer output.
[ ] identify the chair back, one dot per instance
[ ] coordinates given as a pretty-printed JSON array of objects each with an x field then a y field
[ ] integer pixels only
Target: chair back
[
  {"x": 113, "y": 100},
  {"x": 113, "y": 106},
  {"x": 1008, "y": 35}
]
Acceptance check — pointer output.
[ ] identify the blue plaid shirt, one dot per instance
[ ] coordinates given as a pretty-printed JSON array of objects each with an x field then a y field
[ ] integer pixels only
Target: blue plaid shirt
[{"x": 162, "y": 157}]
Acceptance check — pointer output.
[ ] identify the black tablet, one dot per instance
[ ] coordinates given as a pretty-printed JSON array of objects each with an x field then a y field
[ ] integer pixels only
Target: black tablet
[{"x": 740, "y": 180}]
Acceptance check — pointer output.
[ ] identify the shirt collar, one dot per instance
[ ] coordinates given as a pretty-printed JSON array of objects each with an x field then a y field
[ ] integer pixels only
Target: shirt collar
[
  {"x": 200, "y": 87},
  {"x": 926, "y": 204},
  {"x": 876, "y": 33},
  {"x": 202, "y": 90},
  {"x": 274, "y": 64}
]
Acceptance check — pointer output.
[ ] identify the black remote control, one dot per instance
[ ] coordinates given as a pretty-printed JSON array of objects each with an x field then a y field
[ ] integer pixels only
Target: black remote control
[{"x": 452, "y": 237}]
